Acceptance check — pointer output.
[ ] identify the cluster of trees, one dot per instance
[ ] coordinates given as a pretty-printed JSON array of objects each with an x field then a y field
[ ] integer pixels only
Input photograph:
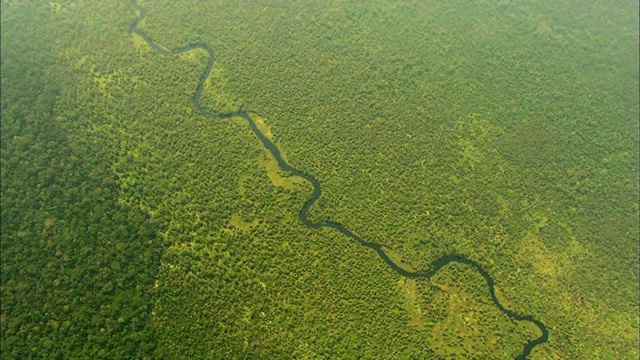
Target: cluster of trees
[
  {"x": 133, "y": 227},
  {"x": 478, "y": 131},
  {"x": 78, "y": 265}
]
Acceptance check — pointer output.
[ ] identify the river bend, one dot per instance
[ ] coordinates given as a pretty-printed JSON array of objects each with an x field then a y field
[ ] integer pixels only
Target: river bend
[{"x": 317, "y": 190}]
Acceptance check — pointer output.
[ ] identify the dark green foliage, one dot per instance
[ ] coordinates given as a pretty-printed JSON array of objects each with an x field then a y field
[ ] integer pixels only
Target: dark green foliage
[{"x": 78, "y": 265}]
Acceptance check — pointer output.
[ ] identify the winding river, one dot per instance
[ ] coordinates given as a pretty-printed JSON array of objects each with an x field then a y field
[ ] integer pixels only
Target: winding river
[{"x": 317, "y": 191}]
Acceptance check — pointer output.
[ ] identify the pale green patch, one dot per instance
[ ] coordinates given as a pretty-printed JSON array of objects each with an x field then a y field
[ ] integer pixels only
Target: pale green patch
[
  {"x": 263, "y": 127},
  {"x": 465, "y": 330},
  {"x": 271, "y": 165},
  {"x": 239, "y": 223},
  {"x": 216, "y": 95},
  {"x": 140, "y": 44},
  {"x": 274, "y": 174},
  {"x": 194, "y": 56},
  {"x": 475, "y": 134},
  {"x": 241, "y": 184},
  {"x": 56, "y": 7},
  {"x": 408, "y": 289},
  {"x": 397, "y": 259}
]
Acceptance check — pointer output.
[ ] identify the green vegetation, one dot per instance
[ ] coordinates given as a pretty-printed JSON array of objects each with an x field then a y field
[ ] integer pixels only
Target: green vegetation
[
  {"x": 78, "y": 264},
  {"x": 133, "y": 227}
]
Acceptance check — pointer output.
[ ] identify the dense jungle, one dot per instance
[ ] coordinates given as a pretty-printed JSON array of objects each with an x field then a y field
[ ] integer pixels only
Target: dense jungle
[{"x": 142, "y": 218}]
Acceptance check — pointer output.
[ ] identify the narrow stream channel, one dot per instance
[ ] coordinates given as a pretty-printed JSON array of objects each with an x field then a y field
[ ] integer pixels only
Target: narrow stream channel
[{"x": 317, "y": 191}]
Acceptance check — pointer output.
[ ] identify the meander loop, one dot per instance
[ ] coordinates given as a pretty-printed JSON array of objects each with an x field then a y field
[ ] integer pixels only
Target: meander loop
[{"x": 317, "y": 190}]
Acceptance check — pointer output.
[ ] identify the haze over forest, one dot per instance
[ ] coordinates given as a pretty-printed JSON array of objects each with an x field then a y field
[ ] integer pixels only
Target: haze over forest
[{"x": 350, "y": 180}]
